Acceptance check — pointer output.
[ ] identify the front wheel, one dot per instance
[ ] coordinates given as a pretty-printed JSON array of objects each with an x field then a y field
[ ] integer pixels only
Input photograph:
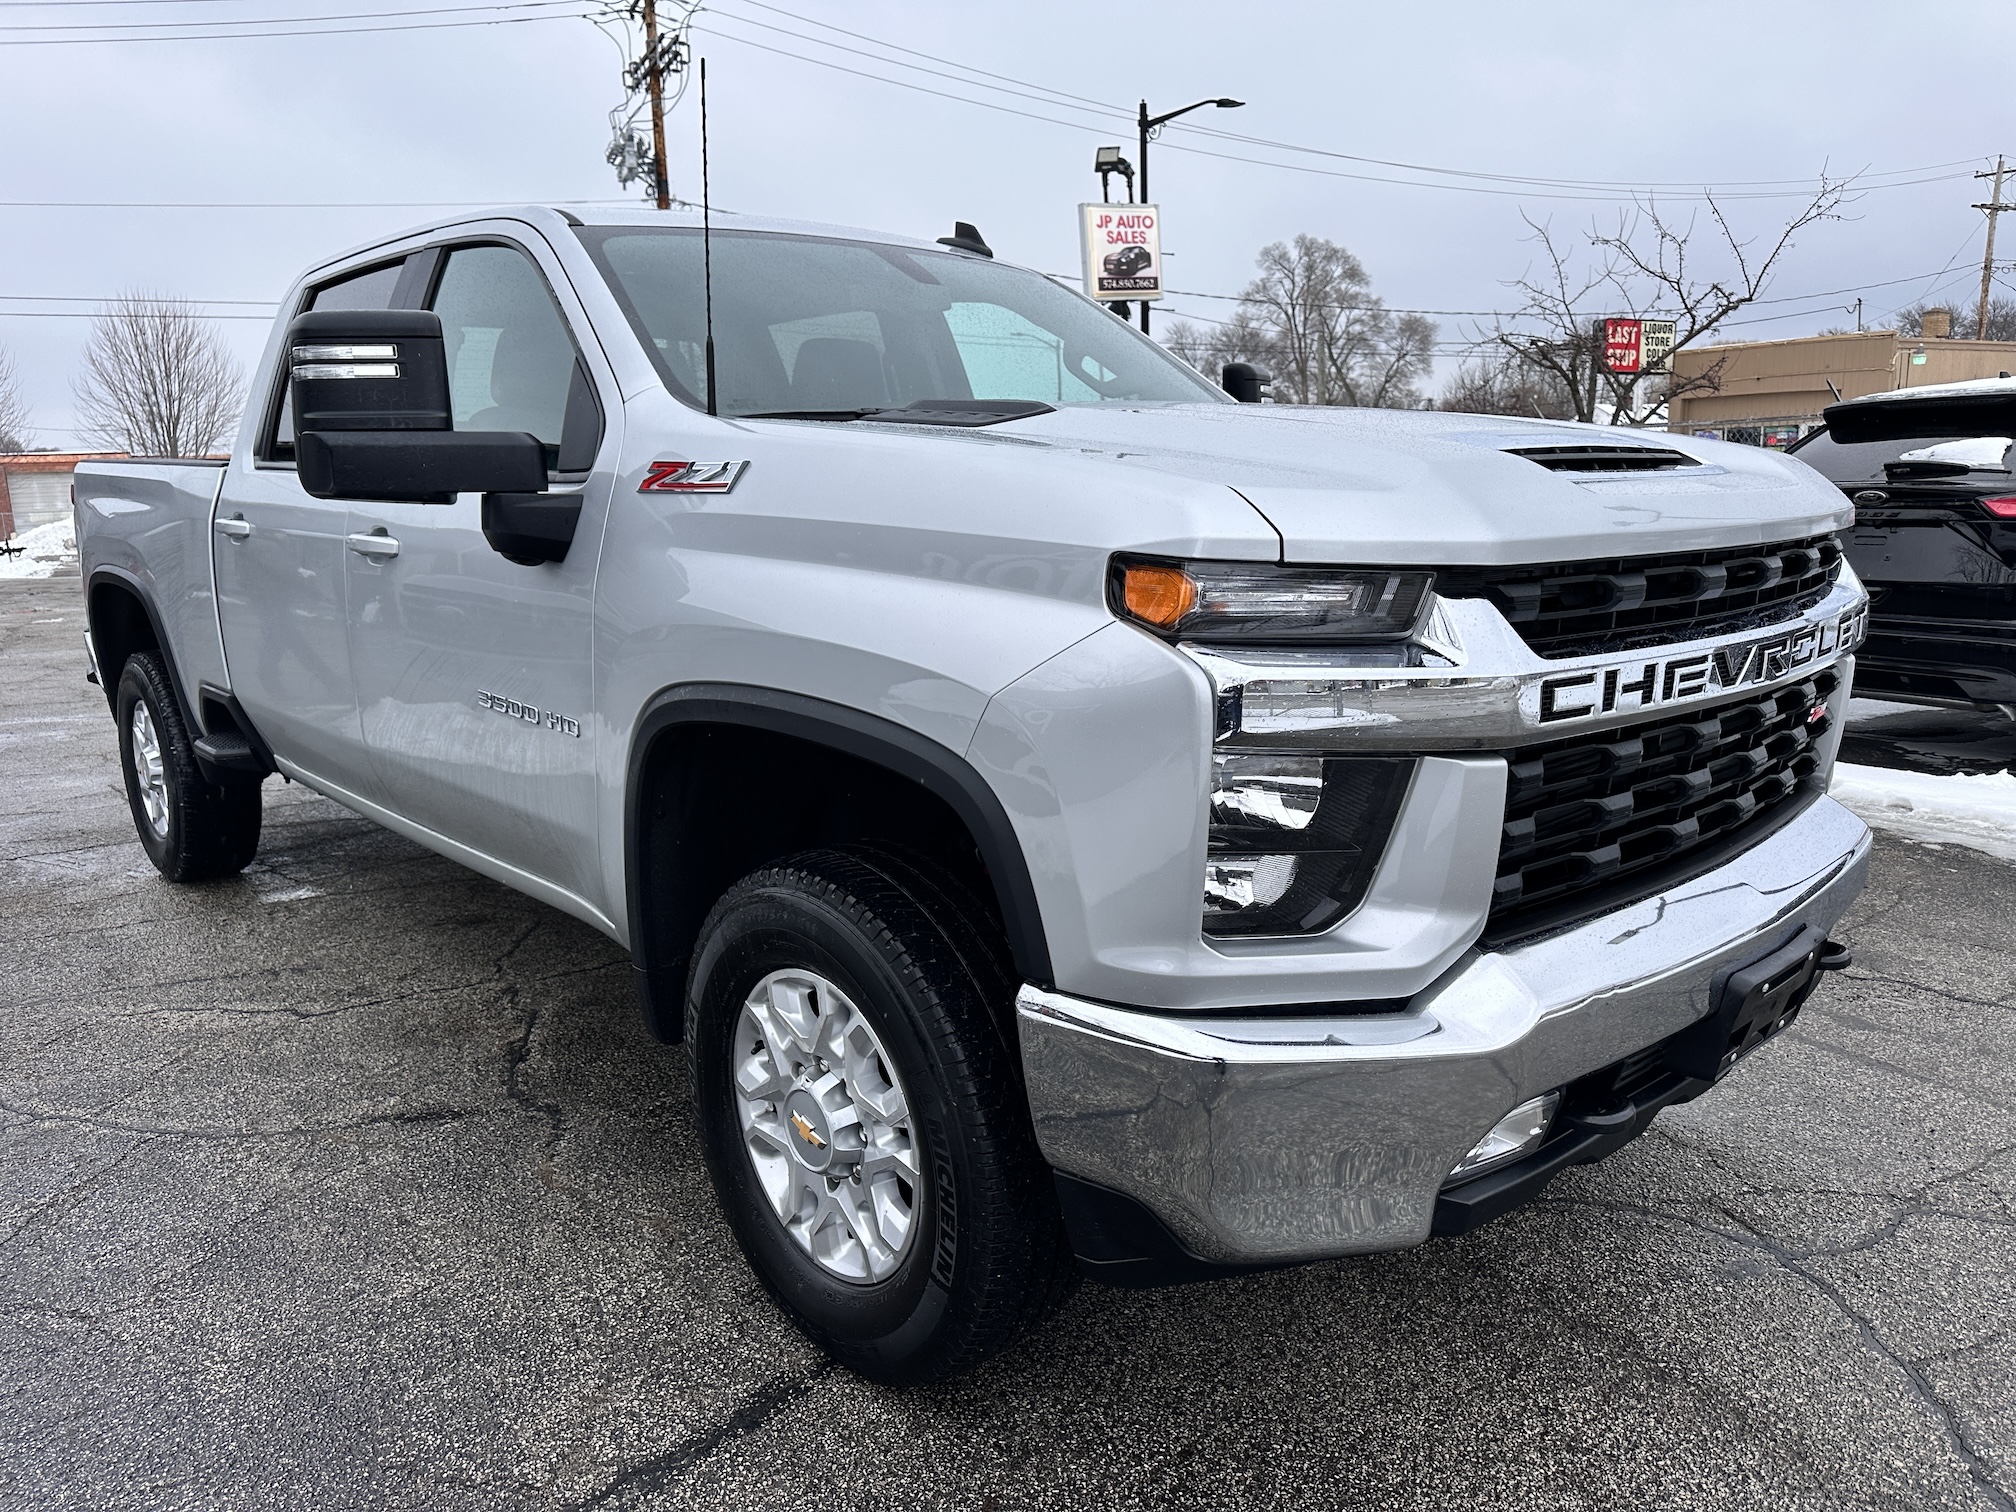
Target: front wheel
[
  {"x": 191, "y": 828},
  {"x": 863, "y": 1116}
]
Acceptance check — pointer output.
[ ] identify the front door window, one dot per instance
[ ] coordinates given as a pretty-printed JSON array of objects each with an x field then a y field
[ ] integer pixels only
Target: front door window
[{"x": 510, "y": 359}]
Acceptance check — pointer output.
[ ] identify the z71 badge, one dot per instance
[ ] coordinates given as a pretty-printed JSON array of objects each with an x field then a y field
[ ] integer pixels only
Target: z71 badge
[
  {"x": 1661, "y": 681},
  {"x": 691, "y": 477}
]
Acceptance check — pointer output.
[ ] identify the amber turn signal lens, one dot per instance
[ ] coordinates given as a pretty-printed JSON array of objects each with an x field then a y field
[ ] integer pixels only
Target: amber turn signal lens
[{"x": 1160, "y": 596}]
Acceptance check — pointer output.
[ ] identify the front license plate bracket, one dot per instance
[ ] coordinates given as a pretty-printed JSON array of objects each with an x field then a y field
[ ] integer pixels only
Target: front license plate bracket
[{"x": 1755, "y": 1003}]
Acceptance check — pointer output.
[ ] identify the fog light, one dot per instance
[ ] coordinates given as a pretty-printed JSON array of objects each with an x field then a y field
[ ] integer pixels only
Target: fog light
[
  {"x": 1517, "y": 1133},
  {"x": 1249, "y": 882}
]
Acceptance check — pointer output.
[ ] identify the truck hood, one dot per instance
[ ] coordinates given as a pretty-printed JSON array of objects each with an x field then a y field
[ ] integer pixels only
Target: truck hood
[{"x": 1418, "y": 486}]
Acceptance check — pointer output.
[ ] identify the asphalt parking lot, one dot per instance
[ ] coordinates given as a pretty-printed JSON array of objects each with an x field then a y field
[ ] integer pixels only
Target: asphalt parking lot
[{"x": 355, "y": 1182}]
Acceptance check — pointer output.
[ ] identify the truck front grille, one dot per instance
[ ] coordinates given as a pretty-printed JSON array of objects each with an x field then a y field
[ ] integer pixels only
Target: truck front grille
[
  {"x": 1582, "y": 608},
  {"x": 1599, "y": 809}
]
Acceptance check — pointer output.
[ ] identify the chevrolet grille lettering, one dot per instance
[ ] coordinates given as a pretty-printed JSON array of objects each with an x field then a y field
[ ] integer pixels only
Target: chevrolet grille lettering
[{"x": 1637, "y": 685}]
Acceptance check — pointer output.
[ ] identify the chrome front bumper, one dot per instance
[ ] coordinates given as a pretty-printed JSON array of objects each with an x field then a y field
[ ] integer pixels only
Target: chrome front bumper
[{"x": 1258, "y": 1140}]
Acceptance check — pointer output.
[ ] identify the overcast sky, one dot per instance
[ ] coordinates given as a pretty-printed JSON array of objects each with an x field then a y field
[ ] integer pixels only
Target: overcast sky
[{"x": 1704, "y": 94}]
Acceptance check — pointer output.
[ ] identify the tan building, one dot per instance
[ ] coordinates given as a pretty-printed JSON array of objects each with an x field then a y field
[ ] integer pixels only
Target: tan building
[
  {"x": 1770, "y": 393},
  {"x": 35, "y": 487}
]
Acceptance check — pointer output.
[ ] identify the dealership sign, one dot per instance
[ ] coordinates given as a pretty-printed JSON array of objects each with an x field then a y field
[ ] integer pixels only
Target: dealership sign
[
  {"x": 1631, "y": 345},
  {"x": 1123, "y": 250}
]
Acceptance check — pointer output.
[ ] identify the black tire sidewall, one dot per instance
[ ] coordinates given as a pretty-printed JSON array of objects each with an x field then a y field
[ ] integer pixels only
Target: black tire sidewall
[{"x": 779, "y": 926}]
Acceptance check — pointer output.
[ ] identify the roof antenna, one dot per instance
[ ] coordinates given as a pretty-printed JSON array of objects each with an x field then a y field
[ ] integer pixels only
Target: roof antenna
[
  {"x": 707, "y": 242},
  {"x": 965, "y": 239}
]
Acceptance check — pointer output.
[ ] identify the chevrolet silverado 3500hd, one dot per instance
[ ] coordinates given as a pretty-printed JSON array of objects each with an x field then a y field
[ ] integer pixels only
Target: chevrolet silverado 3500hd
[{"x": 1074, "y": 820}]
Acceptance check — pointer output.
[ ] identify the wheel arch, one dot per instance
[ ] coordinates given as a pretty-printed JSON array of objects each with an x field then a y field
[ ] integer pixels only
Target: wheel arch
[
  {"x": 122, "y": 618},
  {"x": 665, "y": 916}
]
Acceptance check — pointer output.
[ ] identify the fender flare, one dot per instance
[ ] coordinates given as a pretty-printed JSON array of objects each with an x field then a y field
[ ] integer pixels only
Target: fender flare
[
  {"x": 936, "y": 768},
  {"x": 125, "y": 580}
]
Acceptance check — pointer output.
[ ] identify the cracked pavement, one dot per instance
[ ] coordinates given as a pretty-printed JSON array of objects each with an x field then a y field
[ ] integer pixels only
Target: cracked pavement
[{"x": 356, "y": 1182}]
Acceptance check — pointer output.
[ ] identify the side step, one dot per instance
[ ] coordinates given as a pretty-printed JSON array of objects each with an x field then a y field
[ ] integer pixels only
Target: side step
[{"x": 231, "y": 752}]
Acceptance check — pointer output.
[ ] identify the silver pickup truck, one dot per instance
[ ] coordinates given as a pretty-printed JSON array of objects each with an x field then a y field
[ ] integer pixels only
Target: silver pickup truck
[{"x": 1077, "y": 822}]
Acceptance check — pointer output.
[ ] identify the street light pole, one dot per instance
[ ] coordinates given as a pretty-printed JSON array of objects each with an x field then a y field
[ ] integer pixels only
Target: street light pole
[{"x": 1149, "y": 125}]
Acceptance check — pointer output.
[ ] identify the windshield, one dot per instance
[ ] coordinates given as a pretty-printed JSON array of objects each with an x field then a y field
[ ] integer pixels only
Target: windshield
[
  {"x": 806, "y": 325},
  {"x": 1862, "y": 462}
]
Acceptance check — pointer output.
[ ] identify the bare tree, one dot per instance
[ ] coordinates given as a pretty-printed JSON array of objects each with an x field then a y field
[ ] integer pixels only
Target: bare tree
[
  {"x": 14, "y": 428},
  {"x": 1499, "y": 382},
  {"x": 158, "y": 380},
  {"x": 2001, "y": 319},
  {"x": 1643, "y": 267},
  {"x": 1209, "y": 347},
  {"x": 1331, "y": 340},
  {"x": 1312, "y": 320}
]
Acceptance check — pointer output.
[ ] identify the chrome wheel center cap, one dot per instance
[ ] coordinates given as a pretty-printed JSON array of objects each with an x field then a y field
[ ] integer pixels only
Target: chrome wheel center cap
[{"x": 811, "y": 1138}]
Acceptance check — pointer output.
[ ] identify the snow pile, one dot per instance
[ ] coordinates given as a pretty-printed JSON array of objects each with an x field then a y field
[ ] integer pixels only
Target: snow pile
[
  {"x": 44, "y": 551},
  {"x": 1977, "y": 812}
]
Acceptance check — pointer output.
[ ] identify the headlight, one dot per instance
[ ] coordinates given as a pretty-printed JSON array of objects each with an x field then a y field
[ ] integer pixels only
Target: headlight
[
  {"x": 1295, "y": 839},
  {"x": 1258, "y": 602}
]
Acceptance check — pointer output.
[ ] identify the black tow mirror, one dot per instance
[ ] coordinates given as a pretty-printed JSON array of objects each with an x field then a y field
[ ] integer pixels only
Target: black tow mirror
[
  {"x": 418, "y": 467},
  {"x": 372, "y": 418},
  {"x": 368, "y": 370},
  {"x": 1247, "y": 383}
]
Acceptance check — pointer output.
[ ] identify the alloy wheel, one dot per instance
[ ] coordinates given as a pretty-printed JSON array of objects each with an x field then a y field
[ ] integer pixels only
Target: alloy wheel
[{"x": 826, "y": 1125}]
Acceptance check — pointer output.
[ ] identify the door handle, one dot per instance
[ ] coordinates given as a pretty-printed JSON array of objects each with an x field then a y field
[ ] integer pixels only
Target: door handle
[
  {"x": 237, "y": 527},
  {"x": 376, "y": 544}
]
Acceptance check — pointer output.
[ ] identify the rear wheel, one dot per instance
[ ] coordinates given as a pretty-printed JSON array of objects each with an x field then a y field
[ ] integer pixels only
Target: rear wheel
[
  {"x": 863, "y": 1115},
  {"x": 191, "y": 828}
]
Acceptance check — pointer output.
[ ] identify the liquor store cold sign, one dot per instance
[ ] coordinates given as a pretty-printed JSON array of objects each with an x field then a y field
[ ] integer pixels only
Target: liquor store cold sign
[{"x": 1631, "y": 345}]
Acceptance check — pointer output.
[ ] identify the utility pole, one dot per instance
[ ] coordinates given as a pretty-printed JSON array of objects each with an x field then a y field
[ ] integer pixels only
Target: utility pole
[
  {"x": 1149, "y": 125},
  {"x": 1994, "y": 207},
  {"x": 660, "y": 180}
]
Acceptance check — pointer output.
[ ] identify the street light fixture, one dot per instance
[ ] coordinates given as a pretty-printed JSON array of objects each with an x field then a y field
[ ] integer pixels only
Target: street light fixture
[
  {"x": 1150, "y": 124},
  {"x": 1108, "y": 162}
]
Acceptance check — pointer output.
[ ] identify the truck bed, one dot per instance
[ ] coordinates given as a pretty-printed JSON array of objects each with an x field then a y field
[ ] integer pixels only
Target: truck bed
[{"x": 147, "y": 523}]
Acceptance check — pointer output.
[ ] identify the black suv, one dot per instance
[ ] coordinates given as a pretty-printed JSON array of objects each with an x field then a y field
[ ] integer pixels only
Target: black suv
[{"x": 1934, "y": 539}]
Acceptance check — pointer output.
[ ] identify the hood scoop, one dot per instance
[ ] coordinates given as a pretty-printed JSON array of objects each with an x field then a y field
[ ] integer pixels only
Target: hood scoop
[{"x": 1604, "y": 459}]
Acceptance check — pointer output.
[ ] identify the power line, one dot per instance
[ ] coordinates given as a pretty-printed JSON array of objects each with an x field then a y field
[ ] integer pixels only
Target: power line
[
  {"x": 1746, "y": 189},
  {"x": 1235, "y": 136},
  {"x": 1232, "y": 157},
  {"x": 75, "y": 4},
  {"x": 442, "y": 10},
  {"x": 1071, "y": 279},
  {"x": 336, "y": 31},
  {"x": 96, "y": 299},
  {"x": 482, "y": 204},
  {"x": 93, "y": 315}
]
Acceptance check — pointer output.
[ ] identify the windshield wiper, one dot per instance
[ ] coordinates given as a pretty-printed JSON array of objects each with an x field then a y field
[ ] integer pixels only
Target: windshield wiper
[
  {"x": 967, "y": 412},
  {"x": 963, "y": 412},
  {"x": 812, "y": 414}
]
